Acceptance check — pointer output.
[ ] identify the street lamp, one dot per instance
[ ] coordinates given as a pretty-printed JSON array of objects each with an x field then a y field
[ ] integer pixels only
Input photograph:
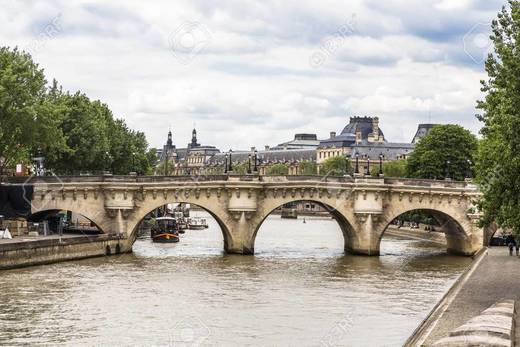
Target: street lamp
[
  {"x": 256, "y": 161},
  {"x": 230, "y": 169},
  {"x": 249, "y": 164},
  {"x": 447, "y": 169},
  {"x": 109, "y": 160},
  {"x": 133, "y": 161},
  {"x": 347, "y": 163},
  {"x": 381, "y": 156},
  {"x": 368, "y": 166},
  {"x": 226, "y": 163},
  {"x": 357, "y": 163},
  {"x": 468, "y": 172}
]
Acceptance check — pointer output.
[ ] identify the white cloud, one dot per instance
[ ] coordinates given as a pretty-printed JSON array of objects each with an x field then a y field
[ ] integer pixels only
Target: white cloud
[{"x": 251, "y": 83}]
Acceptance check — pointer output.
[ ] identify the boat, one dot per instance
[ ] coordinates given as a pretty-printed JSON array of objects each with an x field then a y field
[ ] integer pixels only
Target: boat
[
  {"x": 165, "y": 230},
  {"x": 197, "y": 223}
]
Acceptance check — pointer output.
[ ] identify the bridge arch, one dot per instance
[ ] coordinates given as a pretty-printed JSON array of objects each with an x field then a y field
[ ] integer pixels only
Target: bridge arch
[
  {"x": 217, "y": 212},
  {"x": 335, "y": 208},
  {"x": 457, "y": 226},
  {"x": 97, "y": 217}
]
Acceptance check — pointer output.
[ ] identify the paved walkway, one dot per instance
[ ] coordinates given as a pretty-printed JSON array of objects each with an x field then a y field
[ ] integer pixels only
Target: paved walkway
[{"x": 497, "y": 277}]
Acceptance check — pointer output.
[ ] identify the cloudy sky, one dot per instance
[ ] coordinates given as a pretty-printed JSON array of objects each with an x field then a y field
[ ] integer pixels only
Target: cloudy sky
[{"x": 251, "y": 73}]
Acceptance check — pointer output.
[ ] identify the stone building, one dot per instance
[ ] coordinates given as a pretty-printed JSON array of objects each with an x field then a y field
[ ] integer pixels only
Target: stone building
[
  {"x": 362, "y": 140},
  {"x": 185, "y": 161}
]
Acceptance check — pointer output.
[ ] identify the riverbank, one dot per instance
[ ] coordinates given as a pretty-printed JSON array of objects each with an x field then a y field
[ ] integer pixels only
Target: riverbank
[
  {"x": 492, "y": 277},
  {"x": 417, "y": 234},
  {"x": 29, "y": 251}
]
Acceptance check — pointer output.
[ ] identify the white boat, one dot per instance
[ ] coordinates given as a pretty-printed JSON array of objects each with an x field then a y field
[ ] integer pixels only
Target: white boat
[{"x": 197, "y": 223}]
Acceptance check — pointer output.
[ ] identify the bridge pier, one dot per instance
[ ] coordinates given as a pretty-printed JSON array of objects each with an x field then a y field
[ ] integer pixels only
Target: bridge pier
[
  {"x": 365, "y": 240},
  {"x": 240, "y": 238}
]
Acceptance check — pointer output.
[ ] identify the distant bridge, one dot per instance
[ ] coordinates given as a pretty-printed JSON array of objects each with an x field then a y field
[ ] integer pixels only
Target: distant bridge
[{"x": 363, "y": 207}]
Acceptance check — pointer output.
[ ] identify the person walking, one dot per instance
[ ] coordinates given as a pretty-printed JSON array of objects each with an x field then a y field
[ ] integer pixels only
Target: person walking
[{"x": 510, "y": 242}]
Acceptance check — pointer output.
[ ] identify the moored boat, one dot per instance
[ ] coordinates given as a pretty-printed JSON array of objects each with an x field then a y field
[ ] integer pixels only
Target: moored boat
[
  {"x": 165, "y": 230},
  {"x": 197, "y": 223}
]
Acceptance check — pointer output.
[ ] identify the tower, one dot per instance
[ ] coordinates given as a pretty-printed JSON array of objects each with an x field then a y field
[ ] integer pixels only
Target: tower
[{"x": 193, "y": 143}]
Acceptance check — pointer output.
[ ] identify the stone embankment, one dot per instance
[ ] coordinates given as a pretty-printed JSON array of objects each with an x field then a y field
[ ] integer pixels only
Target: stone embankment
[
  {"x": 493, "y": 327},
  {"x": 26, "y": 251},
  {"x": 493, "y": 277}
]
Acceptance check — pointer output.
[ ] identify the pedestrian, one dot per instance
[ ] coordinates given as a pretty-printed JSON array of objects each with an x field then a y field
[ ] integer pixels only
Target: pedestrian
[{"x": 510, "y": 242}]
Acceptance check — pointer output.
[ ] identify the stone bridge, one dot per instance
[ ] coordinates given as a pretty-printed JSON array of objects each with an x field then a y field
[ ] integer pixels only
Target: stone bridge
[{"x": 363, "y": 207}]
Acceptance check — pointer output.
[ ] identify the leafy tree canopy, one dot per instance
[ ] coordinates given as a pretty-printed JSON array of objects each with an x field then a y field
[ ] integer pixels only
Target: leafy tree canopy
[
  {"x": 446, "y": 152},
  {"x": 308, "y": 167},
  {"x": 72, "y": 132},
  {"x": 335, "y": 166},
  {"x": 498, "y": 159},
  {"x": 278, "y": 169}
]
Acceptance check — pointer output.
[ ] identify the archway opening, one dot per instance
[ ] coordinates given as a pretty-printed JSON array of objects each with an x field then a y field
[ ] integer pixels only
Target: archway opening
[
  {"x": 302, "y": 228},
  {"x": 200, "y": 231},
  {"x": 424, "y": 232},
  {"x": 62, "y": 222}
]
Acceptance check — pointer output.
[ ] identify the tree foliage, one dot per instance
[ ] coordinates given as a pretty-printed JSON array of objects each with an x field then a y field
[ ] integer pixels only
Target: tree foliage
[
  {"x": 28, "y": 118},
  {"x": 73, "y": 132},
  {"x": 498, "y": 159},
  {"x": 278, "y": 169},
  {"x": 446, "y": 152},
  {"x": 335, "y": 166},
  {"x": 395, "y": 168},
  {"x": 308, "y": 167}
]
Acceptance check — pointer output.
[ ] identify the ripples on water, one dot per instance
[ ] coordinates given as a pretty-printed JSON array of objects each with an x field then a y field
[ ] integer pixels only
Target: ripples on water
[{"x": 298, "y": 290}]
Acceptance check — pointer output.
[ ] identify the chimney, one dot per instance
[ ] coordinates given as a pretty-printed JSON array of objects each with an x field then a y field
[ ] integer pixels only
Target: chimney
[
  {"x": 332, "y": 134},
  {"x": 267, "y": 147}
]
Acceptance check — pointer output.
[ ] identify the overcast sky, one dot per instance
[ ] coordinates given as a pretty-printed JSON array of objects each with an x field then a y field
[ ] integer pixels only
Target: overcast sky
[{"x": 251, "y": 73}]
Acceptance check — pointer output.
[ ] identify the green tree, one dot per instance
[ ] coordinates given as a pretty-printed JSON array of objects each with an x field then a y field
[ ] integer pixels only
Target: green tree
[
  {"x": 28, "y": 118},
  {"x": 447, "y": 151},
  {"x": 278, "y": 169},
  {"x": 335, "y": 166},
  {"x": 498, "y": 159},
  {"x": 394, "y": 168},
  {"x": 308, "y": 167},
  {"x": 240, "y": 168}
]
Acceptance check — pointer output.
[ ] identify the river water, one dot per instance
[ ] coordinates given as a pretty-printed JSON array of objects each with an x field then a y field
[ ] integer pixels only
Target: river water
[{"x": 298, "y": 290}]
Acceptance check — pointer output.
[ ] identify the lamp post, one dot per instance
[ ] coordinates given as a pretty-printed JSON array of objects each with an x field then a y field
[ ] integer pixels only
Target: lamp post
[
  {"x": 381, "y": 156},
  {"x": 447, "y": 169},
  {"x": 230, "y": 168},
  {"x": 468, "y": 172},
  {"x": 347, "y": 162},
  {"x": 133, "y": 162},
  {"x": 249, "y": 164},
  {"x": 109, "y": 160},
  {"x": 226, "y": 163},
  {"x": 368, "y": 166},
  {"x": 357, "y": 163},
  {"x": 255, "y": 169}
]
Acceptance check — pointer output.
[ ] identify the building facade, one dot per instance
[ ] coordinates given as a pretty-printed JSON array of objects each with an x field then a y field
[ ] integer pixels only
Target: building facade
[{"x": 362, "y": 141}]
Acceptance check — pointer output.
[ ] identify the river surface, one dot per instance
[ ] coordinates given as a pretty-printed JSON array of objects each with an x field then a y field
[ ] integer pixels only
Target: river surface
[{"x": 298, "y": 290}]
